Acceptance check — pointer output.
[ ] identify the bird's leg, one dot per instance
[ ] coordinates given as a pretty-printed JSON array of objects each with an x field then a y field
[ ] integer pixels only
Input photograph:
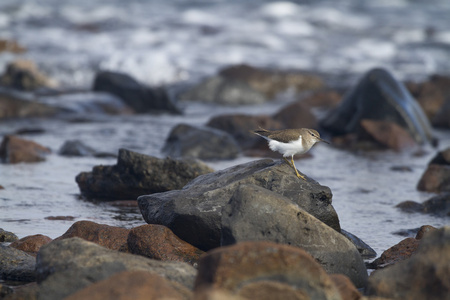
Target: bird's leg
[
  {"x": 289, "y": 163},
  {"x": 295, "y": 168}
]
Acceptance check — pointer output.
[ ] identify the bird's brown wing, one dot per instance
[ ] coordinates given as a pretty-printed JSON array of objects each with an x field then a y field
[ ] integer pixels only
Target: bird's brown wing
[{"x": 284, "y": 136}]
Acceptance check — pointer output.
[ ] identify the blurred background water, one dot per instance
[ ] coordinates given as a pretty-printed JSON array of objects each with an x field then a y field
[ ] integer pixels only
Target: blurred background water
[{"x": 179, "y": 42}]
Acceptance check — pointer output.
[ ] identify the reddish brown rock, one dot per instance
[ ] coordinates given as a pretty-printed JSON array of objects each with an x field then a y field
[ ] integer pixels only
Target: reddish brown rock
[
  {"x": 425, "y": 229},
  {"x": 60, "y": 218},
  {"x": 104, "y": 235},
  {"x": 399, "y": 252},
  {"x": 264, "y": 270},
  {"x": 240, "y": 127},
  {"x": 15, "y": 150},
  {"x": 388, "y": 134},
  {"x": 32, "y": 243},
  {"x": 345, "y": 286},
  {"x": 436, "y": 179},
  {"x": 159, "y": 242},
  {"x": 11, "y": 46},
  {"x": 133, "y": 285},
  {"x": 296, "y": 115}
]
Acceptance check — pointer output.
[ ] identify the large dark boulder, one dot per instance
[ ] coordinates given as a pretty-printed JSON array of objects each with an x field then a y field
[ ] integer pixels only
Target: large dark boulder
[
  {"x": 379, "y": 96},
  {"x": 16, "y": 264},
  {"x": 200, "y": 142},
  {"x": 256, "y": 214},
  {"x": 140, "y": 98},
  {"x": 137, "y": 174},
  {"x": 194, "y": 212}
]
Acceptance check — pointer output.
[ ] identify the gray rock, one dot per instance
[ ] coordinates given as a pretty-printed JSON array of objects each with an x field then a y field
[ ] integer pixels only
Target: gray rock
[
  {"x": 16, "y": 264},
  {"x": 7, "y": 236},
  {"x": 379, "y": 96},
  {"x": 76, "y": 148},
  {"x": 222, "y": 90},
  {"x": 141, "y": 98},
  {"x": 137, "y": 174},
  {"x": 200, "y": 142},
  {"x": 255, "y": 214},
  {"x": 194, "y": 212},
  {"x": 425, "y": 275},
  {"x": 365, "y": 250},
  {"x": 66, "y": 266}
]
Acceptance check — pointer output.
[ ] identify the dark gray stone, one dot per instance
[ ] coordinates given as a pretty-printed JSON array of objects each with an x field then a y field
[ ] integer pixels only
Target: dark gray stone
[
  {"x": 66, "y": 266},
  {"x": 365, "y": 250},
  {"x": 194, "y": 212},
  {"x": 200, "y": 142},
  {"x": 7, "y": 236},
  {"x": 255, "y": 214},
  {"x": 16, "y": 264},
  {"x": 140, "y": 98},
  {"x": 379, "y": 96},
  {"x": 76, "y": 148},
  {"x": 137, "y": 174}
]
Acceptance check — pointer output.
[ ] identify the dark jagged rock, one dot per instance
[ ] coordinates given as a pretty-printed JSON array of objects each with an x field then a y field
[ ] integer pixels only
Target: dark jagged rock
[
  {"x": 16, "y": 264},
  {"x": 194, "y": 212},
  {"x": 137, "y": 174},
  {"x": 200, "y": 142},
  {"x": 255, "y": 214},
  {"x": 140, "y": 98},
  {"x": 378, "y": 96},
  {"x": 15, "y": 150}
]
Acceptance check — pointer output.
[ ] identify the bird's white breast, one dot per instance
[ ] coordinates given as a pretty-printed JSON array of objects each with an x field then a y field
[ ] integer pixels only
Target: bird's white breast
[{"x": 287, "y": 149}]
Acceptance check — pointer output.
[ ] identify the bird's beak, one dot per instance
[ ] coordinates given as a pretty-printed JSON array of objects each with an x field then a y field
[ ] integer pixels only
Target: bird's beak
[{"x": 322, "y": 140}]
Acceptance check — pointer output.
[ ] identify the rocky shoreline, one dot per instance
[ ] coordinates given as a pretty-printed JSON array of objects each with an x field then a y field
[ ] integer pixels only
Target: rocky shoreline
[{"x": 251, "y": 231}]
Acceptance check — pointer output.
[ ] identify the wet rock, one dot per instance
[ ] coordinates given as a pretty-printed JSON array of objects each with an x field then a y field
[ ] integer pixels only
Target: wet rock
[
  {"x": 194, "y": 212},
  {"x": 15, "y": 150},
  {"x": 159, "y": 242},
  {"x": 24, "y": 75},
  {"x": 431, "y": 94},
  {"x": 140, "y": 98},
  {"x": 437, "y": 205},
  {"x": 110, "y": 237},
  {"x": 378, "y": 96},
  {"x": 422, "y": 276},
  {"x": 323, "y": 98},
  {"x": 410, "y": 206},
  {"x": 16, "y": 265},
  {"x": 137, "y": 174},
  {"x": 441, "y": 119},
  {"x": 75, "y": 148},
  {"x": 271, "y": 82},
  {"x": 7, "y": 236},
  {"x": 133, "y": 285},
  {"x": 200, "y": 142},
  {"x": 67, "y": 266},
  {"x": 264, "y": 270},
  {"x": 32, "y": 243},
  {"x": 388, "y": 134},
  {"x": 296, "y": 115},
  {"x": 396, "y": 253},
  {"x": 60, "y": 218},
  {"x": 240, "y": 127},
  {"x": 346, "y": 288},
  {"x": 250, "y": 215},
  {"x": 13, "y": 105},
  {"x": 364, "y": 250},
  {"x": 11, "y": 46},
  {"x": 221, "y": 90},
  {"x": 425, "y": 229},
  {"x": 436, "y": 178}
]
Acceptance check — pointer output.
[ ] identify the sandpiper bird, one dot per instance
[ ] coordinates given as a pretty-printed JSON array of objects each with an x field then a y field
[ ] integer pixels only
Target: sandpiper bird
[{"x": 290, "y": 142}]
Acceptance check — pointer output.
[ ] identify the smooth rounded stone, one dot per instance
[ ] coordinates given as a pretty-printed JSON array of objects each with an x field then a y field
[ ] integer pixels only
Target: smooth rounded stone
[
  {"x": 256, "y": 214},
  {"x": 66, "y": 266},
  {"x": 15, "y": 150},
  {"x": 410, "y": 206},
  {"x": 438, "y": 205},
  {"x": 379, "y": 96},
  {"x": 436, "y": 179},
  {"x": 200, "y": 142},
  {"x": 272, "y": 82},
  {"x": 240, "y": 126},
  {"x": 140, "y": 98},
  {"x": 403, "y": 250},
  {"x": 225, "y": 91},
  {"x": 16, "y": 265},
  {"x": 7, "y": 236},
  {"x": 424, "y": 230},
  {"x": 296, "y": 115},
  {"x": 365, "y": 250},
  {"x": 75, "y": 148},
  {"x": 137, "y": 174},
  {"x": 14, "y": 105},
  {"x": 133, "y": 285},
  {"x": 159, "y": 242},
  {"x": 346, "y": 288},
  {"x": 110, "y": 237},
  {"x": 31, "y": 243},
  {"x": 388, "y": 134},
  {"x": 24, "y": 75},
  {"x": 425, "y": 275},
  {"x": 194, "y": 212},
  {"x": 264, "y": 270}
]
